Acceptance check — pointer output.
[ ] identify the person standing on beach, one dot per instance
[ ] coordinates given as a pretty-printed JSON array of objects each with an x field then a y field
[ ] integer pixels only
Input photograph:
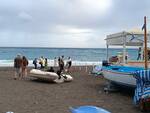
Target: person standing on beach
[
  {"x": 59, "y": 61},
  {"x": 61, "y": 64},
  {"x": 46, "y": 63},
  {"x": 139, "y": 53},
  {"x": 55, "y": 62},
  {"x": 35, "y": 61},
  {"x": 17, "y": 66},
  {"x": 24, "y": 66},
  {"x": 68, "y": 65}
]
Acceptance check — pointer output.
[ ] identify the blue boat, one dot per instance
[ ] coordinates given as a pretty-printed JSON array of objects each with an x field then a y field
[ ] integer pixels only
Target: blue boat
[
  {"x": 88, "y": 109},
  {"x": 122, "y": 75}
]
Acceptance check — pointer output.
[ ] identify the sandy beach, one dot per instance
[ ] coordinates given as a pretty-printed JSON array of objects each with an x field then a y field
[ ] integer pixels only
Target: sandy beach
[{"x": 30, "y": 96}]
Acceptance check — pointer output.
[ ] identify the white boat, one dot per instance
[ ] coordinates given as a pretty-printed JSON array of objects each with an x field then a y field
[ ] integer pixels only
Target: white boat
[
  {"x": 50, "y": 76},
  {"x": 121, "y": 75}
]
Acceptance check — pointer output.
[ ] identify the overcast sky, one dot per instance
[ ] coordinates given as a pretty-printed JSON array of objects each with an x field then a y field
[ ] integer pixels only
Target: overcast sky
[{"x": 67, "y": 23}]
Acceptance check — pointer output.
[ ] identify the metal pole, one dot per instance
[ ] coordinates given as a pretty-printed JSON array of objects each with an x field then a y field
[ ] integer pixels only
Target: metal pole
[{"x": 145, "y": 42}]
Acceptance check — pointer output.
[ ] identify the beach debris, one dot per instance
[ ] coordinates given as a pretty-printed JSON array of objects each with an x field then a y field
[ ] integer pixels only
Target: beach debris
[
  {"x": 9, "y": 112},
  {"x": 97, "y": 70},
  {"x": 88, "y": 109}
]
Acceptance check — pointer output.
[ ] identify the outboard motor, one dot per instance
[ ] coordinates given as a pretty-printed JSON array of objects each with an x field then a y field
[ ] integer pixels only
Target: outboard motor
[{"x": 105, "y": 63}]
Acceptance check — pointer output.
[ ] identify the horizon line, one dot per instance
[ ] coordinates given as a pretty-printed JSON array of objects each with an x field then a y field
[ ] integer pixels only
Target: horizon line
[
  {"x": 64, "y": 47},
  {"x": 51, "y": 47}
]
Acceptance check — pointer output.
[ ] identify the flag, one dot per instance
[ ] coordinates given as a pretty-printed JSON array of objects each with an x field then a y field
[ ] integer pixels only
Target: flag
[
  {"x": 144, "y": 26},
  {"x": 133, "y": 37}
]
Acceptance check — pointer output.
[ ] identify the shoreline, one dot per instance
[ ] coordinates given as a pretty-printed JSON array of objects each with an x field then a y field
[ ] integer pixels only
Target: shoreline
[{"x": 9, "y": 63}]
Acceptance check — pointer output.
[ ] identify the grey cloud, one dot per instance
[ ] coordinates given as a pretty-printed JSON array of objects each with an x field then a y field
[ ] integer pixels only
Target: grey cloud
[
  {"x": 48, "y": 13},
  {"x": 34, "y": 18}
]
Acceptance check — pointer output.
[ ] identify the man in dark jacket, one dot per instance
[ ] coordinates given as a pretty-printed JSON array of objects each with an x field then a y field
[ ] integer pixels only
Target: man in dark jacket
[{"x": 17, "y": 66}]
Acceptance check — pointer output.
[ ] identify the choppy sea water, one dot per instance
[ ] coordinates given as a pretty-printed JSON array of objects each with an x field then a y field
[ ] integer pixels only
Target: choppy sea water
[{"x": 79, "y": 56}]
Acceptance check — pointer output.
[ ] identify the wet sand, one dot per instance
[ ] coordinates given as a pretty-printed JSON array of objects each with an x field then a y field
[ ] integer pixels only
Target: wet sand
[{"x": 30, "y": 96}]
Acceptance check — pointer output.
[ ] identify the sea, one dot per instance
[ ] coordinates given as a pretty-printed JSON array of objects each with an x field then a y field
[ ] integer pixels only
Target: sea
[{"x": 79, "y": 56}]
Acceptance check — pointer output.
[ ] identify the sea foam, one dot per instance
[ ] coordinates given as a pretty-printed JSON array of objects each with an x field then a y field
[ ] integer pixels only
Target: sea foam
[{"x": 10, "y": 63}]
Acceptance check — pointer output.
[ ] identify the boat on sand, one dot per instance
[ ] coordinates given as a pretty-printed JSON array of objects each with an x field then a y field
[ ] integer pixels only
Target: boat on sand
[
  {"x": 121, "y": 75},
  {"x": 50, "y": 76}
]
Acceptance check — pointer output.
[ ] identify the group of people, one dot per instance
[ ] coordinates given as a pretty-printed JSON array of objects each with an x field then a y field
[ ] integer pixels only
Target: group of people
[
  {"x": 61, "y": 63},
  {"x": 42, "y": 61},
  {"x": 20, "y": 65}
]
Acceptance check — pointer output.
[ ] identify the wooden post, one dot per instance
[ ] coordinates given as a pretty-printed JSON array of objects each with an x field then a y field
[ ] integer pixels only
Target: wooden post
[
  {"x": 124, "y": 49},
  {"x": 145, "y": 43},
  {"x": 107, "y": 53}
]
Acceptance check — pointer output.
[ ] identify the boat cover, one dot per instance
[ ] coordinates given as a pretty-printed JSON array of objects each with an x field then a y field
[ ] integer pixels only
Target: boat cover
[
  {"x": 142, "y": 90},
  {"x": 123, "y": 69}
]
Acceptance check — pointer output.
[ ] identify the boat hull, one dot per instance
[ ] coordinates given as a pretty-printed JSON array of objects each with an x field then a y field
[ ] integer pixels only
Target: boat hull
[
  {"x": 122, "y": 75},
  {"x": 120, "y": 78},
  {"x": 50, "y": 76}
]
